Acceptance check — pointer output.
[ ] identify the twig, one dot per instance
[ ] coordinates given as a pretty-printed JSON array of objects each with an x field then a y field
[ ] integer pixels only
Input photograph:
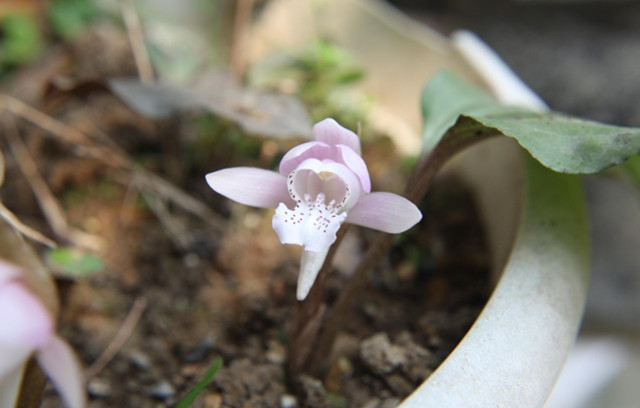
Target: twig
[
  {"x": 51, "y": 209},
  {"x": 147, "y": 181},
  {"x": 24, "y": 229},
  {"x": 114, "y": 158},
  {"x": 240, "y": 23},
  {"x": 2, "y": 168},
  {"x": 63, "y": 132},
  {"x": 136, "y": 39},
  {"x": 12, "y": 220},
  {"x": 120, "y": 338},
  {"x": 417, "y": 187},
  {"x": 177, "y": 232}
]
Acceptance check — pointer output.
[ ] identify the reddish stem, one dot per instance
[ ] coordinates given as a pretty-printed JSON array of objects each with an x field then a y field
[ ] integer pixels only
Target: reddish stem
[
  {"x": 315, "y": 332},
  {"x": 310, "y": 314}
]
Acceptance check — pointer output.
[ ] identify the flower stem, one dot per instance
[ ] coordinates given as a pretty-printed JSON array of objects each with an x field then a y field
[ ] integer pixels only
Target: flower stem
[
  {"x": 310, "y": 314},
  {"x": 33, "y": 384},
  {"x": 417, "y": 186}
]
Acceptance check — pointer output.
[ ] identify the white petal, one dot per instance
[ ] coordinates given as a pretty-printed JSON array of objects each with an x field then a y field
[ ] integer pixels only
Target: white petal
[
  {"x": 310, "y": 265},
  {"x": 312, "y": 224},
  {"x": 59, "y": 364},
  {"x": 250, "y": 186},
  {"x": 386, "y": 212},
  {"x": 298, "y": 184},
  {"x": 332, "y": 133}
]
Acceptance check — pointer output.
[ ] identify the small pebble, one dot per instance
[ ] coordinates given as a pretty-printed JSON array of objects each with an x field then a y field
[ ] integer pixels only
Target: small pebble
[
  {"x": 288, "y": 401},
  {"x": 345, "y": 366},
  {"x": 399, "y": 384},
  {"x": 390, "y": 403},
  {"x": 212, "y": 401},
  {"x": 191, "y": 260},
  {"x": 190, "y": 370},
  {"x": 200, "y": 352},
  {"x": 382, "y": 403},
  {"x": 140, "y": 359},
  {"x": 276, "y": 353},
  {"x": 406, "y": 271},
  {"x": 380, "y": 355},
  {"x": 162, "y": 390},
  {"x": 99, "y": 388}
]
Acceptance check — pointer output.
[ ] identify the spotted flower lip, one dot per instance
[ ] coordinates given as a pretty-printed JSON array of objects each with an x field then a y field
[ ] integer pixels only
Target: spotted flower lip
[
  {"x": 27, "y": 328},
  {"x": 320, "y": 185}
]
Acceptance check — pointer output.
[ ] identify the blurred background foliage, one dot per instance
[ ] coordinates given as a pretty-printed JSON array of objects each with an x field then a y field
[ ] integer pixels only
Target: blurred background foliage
[
  {"x": 322, "y": 76},
  {"x": 26, "y": 27},
  {"x": 186, "y": 41}
]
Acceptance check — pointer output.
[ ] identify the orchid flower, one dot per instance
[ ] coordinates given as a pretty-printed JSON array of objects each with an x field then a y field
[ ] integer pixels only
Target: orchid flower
[
  {"x": 27, "y": 327},
  {"x": 320, "y": 185}
]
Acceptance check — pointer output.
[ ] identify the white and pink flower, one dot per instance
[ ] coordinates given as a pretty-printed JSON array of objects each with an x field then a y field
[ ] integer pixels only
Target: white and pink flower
[
  {"x": 27, "y": 327},
  {"x": 320, "y": 185}
]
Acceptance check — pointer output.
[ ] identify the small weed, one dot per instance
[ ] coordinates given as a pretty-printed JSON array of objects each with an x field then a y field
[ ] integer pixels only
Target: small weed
[{"x": 204, "y": 382}]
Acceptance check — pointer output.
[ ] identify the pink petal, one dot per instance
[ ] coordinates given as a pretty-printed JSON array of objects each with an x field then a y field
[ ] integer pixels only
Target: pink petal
[
  {"x": 250, "y": 186},
  {"x": 386, "y": 212},
  {"x": 338, "y": 153},
  {"x": 59, "y": 363},
  {"x": 356, "y": 164},
  {"x": 310, "y": 265},
  {"x": 330, "y": 132},
  {"x": 24, "y": 321},
  {"x": 25, "y": 324},
  {"x": 302, "y": 152}
]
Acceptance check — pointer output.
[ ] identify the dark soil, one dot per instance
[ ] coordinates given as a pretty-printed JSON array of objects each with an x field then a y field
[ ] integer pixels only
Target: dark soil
[{"x": 233, "y": 296}]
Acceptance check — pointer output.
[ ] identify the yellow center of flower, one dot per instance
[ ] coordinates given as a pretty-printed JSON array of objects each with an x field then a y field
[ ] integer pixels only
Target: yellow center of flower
[{"x": 325, "y": 175}]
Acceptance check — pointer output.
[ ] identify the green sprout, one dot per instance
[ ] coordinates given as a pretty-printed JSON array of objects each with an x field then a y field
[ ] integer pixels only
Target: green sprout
[
  {"x": 202, "y": 384},
  {"x": 74, "y": 264}
]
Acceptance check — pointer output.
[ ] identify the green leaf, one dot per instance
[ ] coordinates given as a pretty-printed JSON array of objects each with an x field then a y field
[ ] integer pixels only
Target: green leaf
[
  {"x": 69, "y": 18},
  {"x": 443, "y": 100},
  {"x": 569, "y": 145},
  {"x": 197, "y": 390},
  {"x": 21, "y": 39},
  {"x": 74, "y": 264},
  {"x": 562, "y": 143}
]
